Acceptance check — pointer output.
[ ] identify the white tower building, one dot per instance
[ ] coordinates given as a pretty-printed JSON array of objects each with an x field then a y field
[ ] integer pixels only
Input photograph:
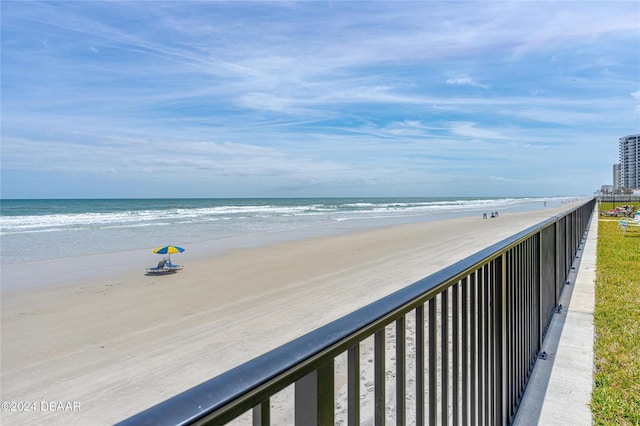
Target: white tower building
[{"x": 630, "y": 161}]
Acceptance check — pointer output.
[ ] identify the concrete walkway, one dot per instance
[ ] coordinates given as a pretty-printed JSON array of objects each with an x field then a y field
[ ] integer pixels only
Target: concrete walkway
[{"x": 559, "y": 390}]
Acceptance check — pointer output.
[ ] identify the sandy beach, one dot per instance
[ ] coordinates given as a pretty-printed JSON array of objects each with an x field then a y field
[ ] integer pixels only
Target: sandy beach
[{"x": 95, "y": 348}]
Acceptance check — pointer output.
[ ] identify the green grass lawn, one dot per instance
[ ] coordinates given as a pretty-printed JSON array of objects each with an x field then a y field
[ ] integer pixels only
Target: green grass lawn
[{"x": 616, "y": 394}]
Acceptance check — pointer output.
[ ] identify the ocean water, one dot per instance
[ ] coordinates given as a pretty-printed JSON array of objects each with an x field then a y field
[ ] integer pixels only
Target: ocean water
[{"x": 36, "y": 230}]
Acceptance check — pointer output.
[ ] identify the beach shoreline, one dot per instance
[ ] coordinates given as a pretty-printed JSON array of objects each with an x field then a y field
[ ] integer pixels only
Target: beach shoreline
[
  {"x": 119, "y": 342},
  {"x": 37, "y": 231},
  {"x": 63, "y": 269}
]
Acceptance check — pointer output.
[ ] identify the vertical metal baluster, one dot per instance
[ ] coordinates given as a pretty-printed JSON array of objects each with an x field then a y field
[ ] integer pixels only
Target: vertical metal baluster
[
  {"x": 261, "y": 414},
  {"x": 501, "y": 347},
  {"x": 474, "y": 348},
  {"x": 455, "y": 347},
  {"x": 420, "y": 365},
  {"x": 444, "y": 349},
  {"x": 480, "y": 355},
  {"x": 353, "y": 385},
  {"x": 379, "y": 377},
  {"x": 465, "y": 350},
  {"x": 401, "y": 393},
  {"x": 326, "y": 393},
  {"x": 433, "y": 369}
]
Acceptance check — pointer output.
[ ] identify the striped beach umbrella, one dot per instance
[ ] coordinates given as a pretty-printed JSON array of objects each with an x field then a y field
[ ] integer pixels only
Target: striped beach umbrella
[{"x": 168, "y": 250}]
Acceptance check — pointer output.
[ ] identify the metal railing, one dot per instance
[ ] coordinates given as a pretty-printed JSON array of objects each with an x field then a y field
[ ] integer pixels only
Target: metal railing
[
  {"x": 477, "y": 330},
  {"x": 619, "y": 198}
]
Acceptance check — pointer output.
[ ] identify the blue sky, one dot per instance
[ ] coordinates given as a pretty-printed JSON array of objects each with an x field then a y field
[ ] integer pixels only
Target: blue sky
[{"x": 337, "y": 98}]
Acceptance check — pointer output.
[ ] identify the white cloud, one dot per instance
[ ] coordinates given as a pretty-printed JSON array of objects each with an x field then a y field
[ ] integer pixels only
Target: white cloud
[
  {"x": 466, "y": 81},
  {"x": 471, "y": 130}
]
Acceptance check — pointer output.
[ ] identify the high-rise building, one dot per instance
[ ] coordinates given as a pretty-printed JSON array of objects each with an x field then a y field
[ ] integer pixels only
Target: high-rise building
[{"x": 630, "y": 161}]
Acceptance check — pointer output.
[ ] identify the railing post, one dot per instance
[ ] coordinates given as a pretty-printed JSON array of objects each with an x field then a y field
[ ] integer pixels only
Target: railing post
[
  {"x": 420, "y": 353},
  {"x": 465, "y": 350},
  {"x": 502, "y": 369},
  {"x": 379, "y": 376},
  {"x": 444, "y": 357},
  {"x": 401, "y": 394},
  {"x": 433, "y": 369},
  {"x": 353, "y": 380},
  {"x": 482, "y": 332}
]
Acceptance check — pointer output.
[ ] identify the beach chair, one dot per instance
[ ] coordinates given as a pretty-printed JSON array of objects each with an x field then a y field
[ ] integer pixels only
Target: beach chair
[
  {"x": 160, "y": 269},
  {"x": 634, "y": 223},
  {"x": 628, "y": 225},
  {"x": 623, "y": 224},
  {"x": 619, "y": 211},
  {"x": 171, "y": 266}
]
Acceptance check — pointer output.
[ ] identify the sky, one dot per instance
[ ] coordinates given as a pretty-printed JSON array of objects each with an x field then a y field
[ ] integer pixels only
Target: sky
[{"x": 108, "y": 99}]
